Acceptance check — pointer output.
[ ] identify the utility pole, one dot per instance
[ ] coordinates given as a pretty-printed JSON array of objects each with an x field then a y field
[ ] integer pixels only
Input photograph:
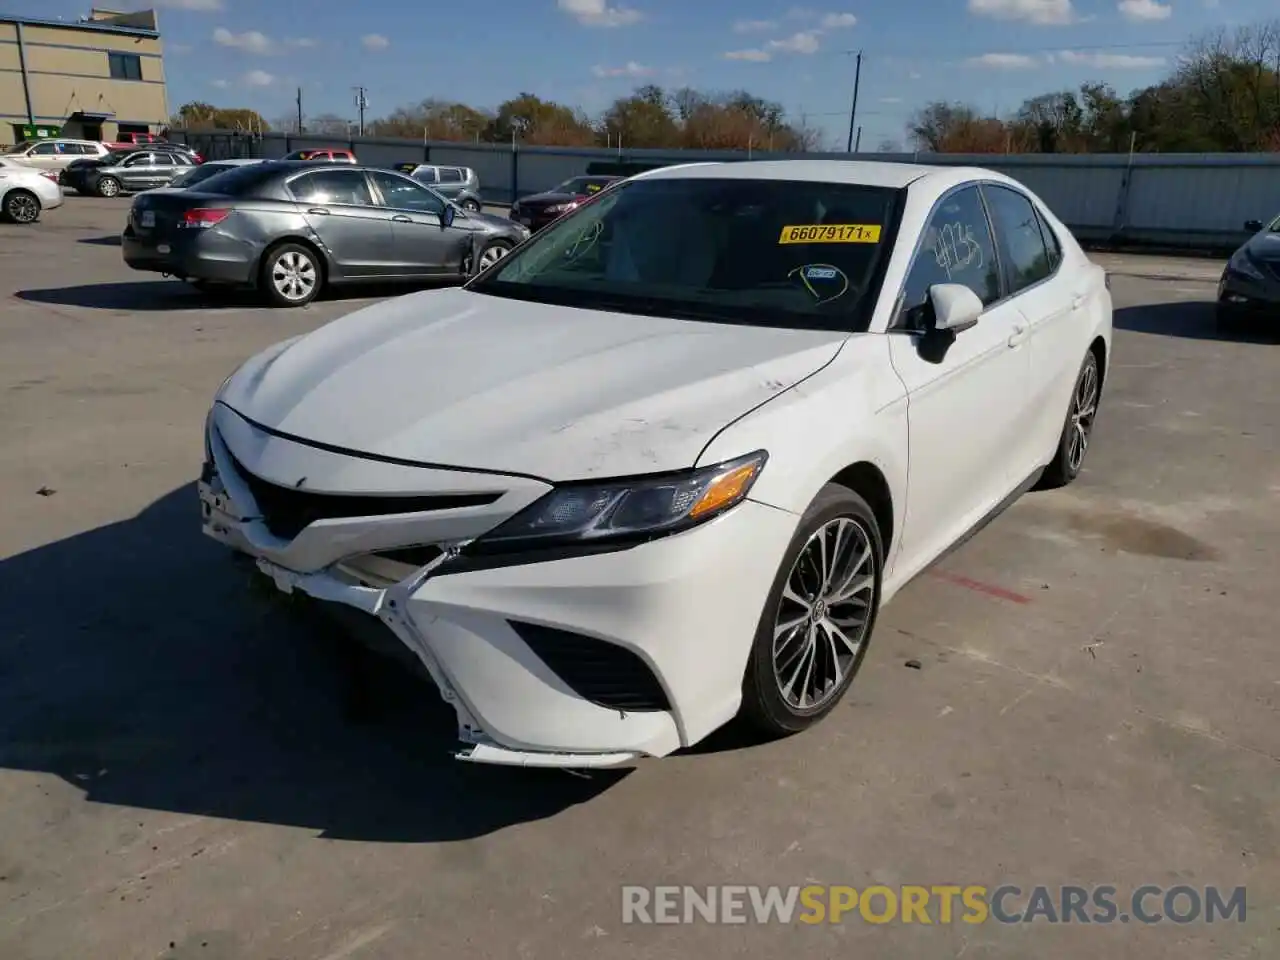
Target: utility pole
[
  {"x": 857, "y": 141},
  {"x": 853, "y": 111},
  {"x": 300, "y": 130},
  {"x": 362, "y": 101}
]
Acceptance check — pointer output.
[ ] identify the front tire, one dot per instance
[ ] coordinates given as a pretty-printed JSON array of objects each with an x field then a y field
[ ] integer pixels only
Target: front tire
[
  {"x": 291, "y": 275},
  {"x": 818, "y": 619},
  {"x": 1077, "y": 431},
  {"x": 491, "y": 254},
  {"x": 21, "y": 206},
  {"x": 108, "y": 187}
]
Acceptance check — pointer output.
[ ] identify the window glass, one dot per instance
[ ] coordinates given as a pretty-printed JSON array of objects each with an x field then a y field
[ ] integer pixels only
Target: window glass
[
  {"x": 753, "y": 252},
  {"x": 1018, "y": 233},
  {"x": 1052, "y": 245},
  {"x": 139, "y": 160},
  {"x": 450, "y": 175},
  {"x": 333, "y": 186},
  {"x": 401, "y": 193},
  {"x": 44, "y": 150},
  {"x": 125, "y": 66},
  {"x": 163, "y": 159},
  {"x": 426, "y": 175},
  {"x": 956, "y": 248}
]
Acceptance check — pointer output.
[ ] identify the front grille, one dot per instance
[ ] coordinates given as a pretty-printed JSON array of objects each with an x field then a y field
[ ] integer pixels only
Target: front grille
[
  {"x": 287, "y": 511},
  {"x": 604, "y": 673}
]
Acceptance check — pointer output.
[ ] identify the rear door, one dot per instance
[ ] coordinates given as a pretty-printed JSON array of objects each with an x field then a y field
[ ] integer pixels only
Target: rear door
[
  {"x": 45, "y": 156},
  {"x": 340, "y": 210},
  {"x": 423, "y": 245},
  {"x": 137, "y": 171}
]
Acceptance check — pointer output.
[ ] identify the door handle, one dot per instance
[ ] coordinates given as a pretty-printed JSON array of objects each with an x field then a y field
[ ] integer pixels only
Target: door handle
[
  {"x": 1019, "y": 334},
  {"x": 401, "y": 219},
  {"x": 319, "y": 211},
  {"x": 1077, "y": 301}
]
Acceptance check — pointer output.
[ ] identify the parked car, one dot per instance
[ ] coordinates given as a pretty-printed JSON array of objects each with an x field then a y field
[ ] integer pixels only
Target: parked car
[
  {"x": 126, "y": 171},
  {"x": 539, "y": 209},
  {"x": 191, "y": 176},
  {"x": 292, "y": 228},
  {"x": 651, "y": 469},
  {"x": 25, "y": 192},
  {"x": 137, "y": 139},
  {"x": 55, "y": 154},
  {"x": 1250, "y": 284},
  {"x": 331, "y": 154},
  {"x": 459, "y": 184}
]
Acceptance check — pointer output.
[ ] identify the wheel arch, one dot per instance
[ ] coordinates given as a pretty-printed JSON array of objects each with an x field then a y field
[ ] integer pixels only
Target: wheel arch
[
  {"x": 869, "y": 482},
  {"x": 1099, "y": 350},
  {"x": 321, "y": 255}
]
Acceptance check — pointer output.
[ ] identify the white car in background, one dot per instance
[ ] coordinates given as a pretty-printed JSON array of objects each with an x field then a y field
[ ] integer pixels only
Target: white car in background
[
  {"x": 56, "y": 154},
  {"x": 25, "y": 192},
  {"x": 664, "y": 462}
]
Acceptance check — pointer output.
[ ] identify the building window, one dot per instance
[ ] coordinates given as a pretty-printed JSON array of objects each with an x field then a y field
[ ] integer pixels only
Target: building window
[{"x": 125, "y": 66}]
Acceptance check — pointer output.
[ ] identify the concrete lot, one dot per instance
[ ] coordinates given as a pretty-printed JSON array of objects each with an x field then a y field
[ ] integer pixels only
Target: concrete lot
[{"x": 182, "y": 776}]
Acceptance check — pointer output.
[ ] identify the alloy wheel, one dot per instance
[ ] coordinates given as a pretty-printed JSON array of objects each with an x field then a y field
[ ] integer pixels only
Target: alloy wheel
[
  {"x": 293, "y": 275},
  {"x": 108, "y": 187},
  {"x": 1084, "y": 406},
  {"x": 824, "y": 614},
  {"x": 23, "y": 208},
  {"x": 491, "y": 256}
]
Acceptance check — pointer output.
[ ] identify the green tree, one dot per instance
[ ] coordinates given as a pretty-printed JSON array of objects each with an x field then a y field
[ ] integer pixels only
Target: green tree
[{"x": 198, "y": 115}]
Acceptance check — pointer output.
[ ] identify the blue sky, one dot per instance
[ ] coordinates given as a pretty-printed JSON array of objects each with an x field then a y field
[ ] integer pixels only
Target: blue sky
[{"x": 993, "y": 53}]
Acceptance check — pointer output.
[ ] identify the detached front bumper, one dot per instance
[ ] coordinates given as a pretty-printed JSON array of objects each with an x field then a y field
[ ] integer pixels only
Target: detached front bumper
[{"x": 579, "y": 661}]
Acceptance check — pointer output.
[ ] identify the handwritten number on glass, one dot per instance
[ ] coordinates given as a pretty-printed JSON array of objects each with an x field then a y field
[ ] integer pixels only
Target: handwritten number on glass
[{"x": 955, "y": 249}]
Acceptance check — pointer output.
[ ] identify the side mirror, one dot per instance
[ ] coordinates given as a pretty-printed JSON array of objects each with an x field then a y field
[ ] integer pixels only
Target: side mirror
[
  {"x": 447, "y": 218},
  {"x": 1253, "y": 226},
  {"x": 955, "y": 307}
]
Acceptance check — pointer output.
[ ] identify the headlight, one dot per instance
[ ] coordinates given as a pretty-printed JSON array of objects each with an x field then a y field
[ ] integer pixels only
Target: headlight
[
  {"x": 620, "y": 510},
  {"x": 562, "y": 207},
  {"x": 1241, "y": 263}
]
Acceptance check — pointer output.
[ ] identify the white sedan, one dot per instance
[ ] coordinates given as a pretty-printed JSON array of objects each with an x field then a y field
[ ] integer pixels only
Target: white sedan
[
  {"x": 25, "y": 192},
  {"x": 663, "y": 463}
]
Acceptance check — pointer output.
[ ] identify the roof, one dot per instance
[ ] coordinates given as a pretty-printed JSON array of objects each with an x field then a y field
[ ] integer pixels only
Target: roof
[
  {"x": 865, "y": 172},
  {"x": 86, "y": 25}
]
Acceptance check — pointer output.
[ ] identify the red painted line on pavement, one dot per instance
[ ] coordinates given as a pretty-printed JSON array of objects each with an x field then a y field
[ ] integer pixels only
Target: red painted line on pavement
[{"x": 990, "y": 589}]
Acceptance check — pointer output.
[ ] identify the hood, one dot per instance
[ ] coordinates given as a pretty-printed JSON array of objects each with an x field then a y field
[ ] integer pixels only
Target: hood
[
  {"x": 465, "y": 379},
  {"x": 546, "y": 199},
  {"x": 490, "y": 221},
  {"x": 1265, "y": 247}
]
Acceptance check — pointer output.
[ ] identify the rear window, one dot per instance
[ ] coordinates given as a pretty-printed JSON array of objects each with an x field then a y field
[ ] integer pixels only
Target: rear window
[{"x": 242, "y": 181}]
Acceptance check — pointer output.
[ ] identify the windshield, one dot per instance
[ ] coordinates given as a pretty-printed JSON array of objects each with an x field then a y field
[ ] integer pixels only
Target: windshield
[
  {"x": 580, "y": 186},
  {"x": 199, "y": 174},
  {"x": 759, "y": 252}
]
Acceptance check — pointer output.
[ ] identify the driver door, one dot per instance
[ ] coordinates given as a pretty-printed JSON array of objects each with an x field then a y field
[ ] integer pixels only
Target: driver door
[
  {"x": 423, "y": 245},
  {"x": 966, "y": 393}
]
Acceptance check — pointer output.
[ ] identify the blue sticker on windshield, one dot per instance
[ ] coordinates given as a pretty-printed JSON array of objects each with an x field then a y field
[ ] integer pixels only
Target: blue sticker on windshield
[{"x": 823, "y": 281}]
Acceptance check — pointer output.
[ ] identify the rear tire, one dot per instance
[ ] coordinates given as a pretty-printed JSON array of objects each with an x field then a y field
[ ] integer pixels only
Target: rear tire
[
  {"x": 472, "y": 205},
  {"x": 1077, "y": 430},
  {"x": 21, "y": 206},
  {"x": 108, "y": 187},
  {"x": 818, "y": 619},
  {"x": 291, "y": 275}
]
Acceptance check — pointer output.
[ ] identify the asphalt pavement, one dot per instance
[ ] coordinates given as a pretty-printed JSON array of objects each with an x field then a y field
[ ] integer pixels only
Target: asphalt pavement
[{"x": 1084, "y": 694}]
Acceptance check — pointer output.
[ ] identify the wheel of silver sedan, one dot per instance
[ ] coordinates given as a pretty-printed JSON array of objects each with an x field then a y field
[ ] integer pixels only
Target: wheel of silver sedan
[
  {"x": 491, "y": 255},
  {"x": 824, "y": 615},
  {"x": 293, "y": 275},
  {"x": 22, "y": 207},
  {"x": 1084, "y": 406}
]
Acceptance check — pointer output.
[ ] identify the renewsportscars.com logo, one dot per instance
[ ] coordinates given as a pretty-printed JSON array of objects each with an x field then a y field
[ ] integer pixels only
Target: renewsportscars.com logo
[{"x": 936, "y": 904}]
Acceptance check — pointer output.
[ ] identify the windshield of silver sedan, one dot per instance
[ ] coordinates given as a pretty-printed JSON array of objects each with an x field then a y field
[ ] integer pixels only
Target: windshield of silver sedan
[{"x": 761, "y": 252}]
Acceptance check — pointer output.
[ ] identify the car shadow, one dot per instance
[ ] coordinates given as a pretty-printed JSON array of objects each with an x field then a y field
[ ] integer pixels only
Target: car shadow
[
  {"x": 111, "y": 241},
  {"x": 138, "y": 664},
  {"x": 167, "y": 295},
  {"x": 1192, "y": 320}
]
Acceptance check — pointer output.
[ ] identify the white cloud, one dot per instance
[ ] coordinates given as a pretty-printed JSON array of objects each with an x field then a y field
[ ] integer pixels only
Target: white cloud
[
  {"x": 220, "y": 84},
  {"x": 1003, "y": 61},
  {"x": 258, "y": 78},
  {"x": 1041, "y": 12},
  {"x": 374, "y": 41},
  {"x": 837, "y": 21},
  {"x": 804, "y": 42},
  {"x": 754, "y": 26},
  {"x": 913, "y": 75},
  {"x": 753, "y": 56},
  {"x": 251, "y": 41},
  {"x": 1144, "y": 11},
  {"x": 1109, "y": 61},
  {"x": 630, "y": 69},
  {"x": 197, "y": 6},
  {"x": 598, "y": 13}
]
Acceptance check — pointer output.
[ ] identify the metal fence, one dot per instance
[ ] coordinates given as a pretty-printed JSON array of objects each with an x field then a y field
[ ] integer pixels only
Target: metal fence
[{"x": 1177, "y": 200}]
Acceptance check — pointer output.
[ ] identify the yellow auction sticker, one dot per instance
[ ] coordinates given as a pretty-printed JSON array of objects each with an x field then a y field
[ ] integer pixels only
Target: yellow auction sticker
[{"x": 831, "y": 233}]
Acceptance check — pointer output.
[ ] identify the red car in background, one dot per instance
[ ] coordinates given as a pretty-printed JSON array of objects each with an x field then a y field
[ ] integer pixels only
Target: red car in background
[
  {"x": 332, "y": 154},
  {"x": 540, "y": 209}
]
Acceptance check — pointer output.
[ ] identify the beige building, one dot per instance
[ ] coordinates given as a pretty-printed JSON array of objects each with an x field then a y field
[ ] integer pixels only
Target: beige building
[{"x": 91, "y": 79}]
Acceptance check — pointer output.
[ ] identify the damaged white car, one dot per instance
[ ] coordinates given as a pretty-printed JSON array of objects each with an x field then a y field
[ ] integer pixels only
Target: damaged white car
[{"x": 663, "y": 463}]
